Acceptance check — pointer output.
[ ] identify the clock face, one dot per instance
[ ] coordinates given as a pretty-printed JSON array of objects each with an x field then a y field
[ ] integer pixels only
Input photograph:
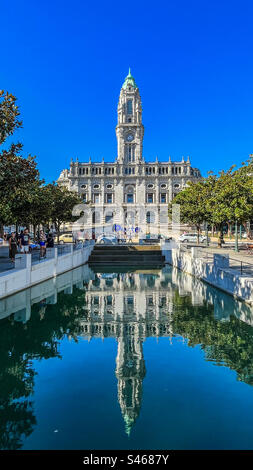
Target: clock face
[{"x": 129, "y": 138}]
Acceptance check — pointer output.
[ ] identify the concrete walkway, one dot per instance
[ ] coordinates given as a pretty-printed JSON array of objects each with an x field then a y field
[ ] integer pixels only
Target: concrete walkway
[{"x": 242, "y": 261}]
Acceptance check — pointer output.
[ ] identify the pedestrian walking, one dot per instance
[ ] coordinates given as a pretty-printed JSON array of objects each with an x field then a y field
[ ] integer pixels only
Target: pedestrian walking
[
  {"x": 24, "y": 241},
  {"x": 42, "y": 243},
  {"x": 13, "y": 246},
  {"x": 50, "y": 240}
]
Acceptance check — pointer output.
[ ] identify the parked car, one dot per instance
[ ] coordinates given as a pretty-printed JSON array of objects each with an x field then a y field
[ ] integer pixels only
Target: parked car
[
  {"x": 107, "y": 239},
  {"x": 192, "y": 238},
  {"x": 156, "y": 236},
  {"x": 68, "y": 238}
]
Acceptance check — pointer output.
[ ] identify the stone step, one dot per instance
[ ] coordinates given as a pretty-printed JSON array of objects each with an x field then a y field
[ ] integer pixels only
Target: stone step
[
  {"x": 127, "y": 253},
  {"x": 147, "y": 264},
  {"x": 135, "y": 259},
  {"x": 135, "y": 248}
]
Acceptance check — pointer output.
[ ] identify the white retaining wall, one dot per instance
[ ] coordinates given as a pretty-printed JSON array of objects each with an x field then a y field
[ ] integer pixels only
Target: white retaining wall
[
  {"x": 25, "y": 274},
  {"x": 216, "y": 272}
]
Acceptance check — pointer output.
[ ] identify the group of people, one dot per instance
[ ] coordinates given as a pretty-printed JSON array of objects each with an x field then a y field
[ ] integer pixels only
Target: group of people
[{"x": 22, "y": 243}]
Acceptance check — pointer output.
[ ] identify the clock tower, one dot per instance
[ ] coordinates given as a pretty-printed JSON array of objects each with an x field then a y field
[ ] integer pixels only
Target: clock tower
[{"x": 129, "y": 130}]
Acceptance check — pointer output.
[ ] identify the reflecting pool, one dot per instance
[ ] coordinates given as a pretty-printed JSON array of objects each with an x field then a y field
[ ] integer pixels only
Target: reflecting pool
[{"x": 125, "y": 360}]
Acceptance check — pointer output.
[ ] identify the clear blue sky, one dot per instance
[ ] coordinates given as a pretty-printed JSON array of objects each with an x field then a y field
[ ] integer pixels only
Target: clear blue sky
[{"x": 192, "y": 61}]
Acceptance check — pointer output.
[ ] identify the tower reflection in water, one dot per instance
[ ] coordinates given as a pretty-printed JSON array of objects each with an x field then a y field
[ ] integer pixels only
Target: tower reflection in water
[{"x": 129, "y": 307}]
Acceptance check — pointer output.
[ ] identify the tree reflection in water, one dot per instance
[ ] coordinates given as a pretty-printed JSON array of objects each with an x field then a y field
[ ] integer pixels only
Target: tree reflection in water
[
  {"x": 20, "y": 343},
  {"x": 228, "y": 343}
]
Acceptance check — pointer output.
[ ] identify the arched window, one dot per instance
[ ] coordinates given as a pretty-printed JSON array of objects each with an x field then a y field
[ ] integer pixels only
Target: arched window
[
  {"x": 95, "y": 217},
  {"x": 108, "y": 217},
  {"x": 150, "y": 217},
  {"x": 129, "y": 106}
]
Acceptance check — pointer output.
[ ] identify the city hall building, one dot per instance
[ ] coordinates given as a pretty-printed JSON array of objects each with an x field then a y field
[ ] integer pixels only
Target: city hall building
[{"x": 129, "y": 192}]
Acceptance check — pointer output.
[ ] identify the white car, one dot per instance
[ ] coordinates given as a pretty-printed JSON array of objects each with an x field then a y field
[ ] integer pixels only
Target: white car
[
  {"x": 192, "y": 238},
  {"x": 107, "y": 240}
]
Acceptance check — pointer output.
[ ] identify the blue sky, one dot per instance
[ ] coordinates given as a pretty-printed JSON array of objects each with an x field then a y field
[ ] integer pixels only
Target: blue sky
[{"x": 192, "y": 61}]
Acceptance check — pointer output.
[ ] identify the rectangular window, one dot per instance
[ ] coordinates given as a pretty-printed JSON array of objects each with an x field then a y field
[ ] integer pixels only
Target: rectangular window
[
  {"x": 96, "y": 300},
  {"x": 109, "y": 198},
  {"x": 109, "y": 300},
  {"x": 129, "y": 300},
  {"x": 84, "y": 197},
  {"x": 150, "y": 198},
  {"x": 129, "y": 107},
  {"x": 130, "y": 198},
  {"x": 129, "y": 153},
  {"x": 163, "y": 198},
  {"x": 96, "y": 198}
]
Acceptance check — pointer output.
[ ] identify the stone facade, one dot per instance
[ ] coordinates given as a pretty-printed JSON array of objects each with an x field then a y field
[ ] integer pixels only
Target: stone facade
[{"x": 129, "y": 191}]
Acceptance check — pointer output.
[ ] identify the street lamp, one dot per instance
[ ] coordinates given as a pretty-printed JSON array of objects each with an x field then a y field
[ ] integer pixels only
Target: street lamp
[
  {"x": 207, "y": 243},
  {"x": 236, "y": 237}
]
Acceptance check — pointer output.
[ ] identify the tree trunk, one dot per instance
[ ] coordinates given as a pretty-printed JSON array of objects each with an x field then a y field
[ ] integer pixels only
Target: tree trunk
[
  {"x": 57, "y": 226},
  {"x": 198, "y": 230},
  {"x": 1, "y": 230},
  {"x": 229, "y": 230},
  {"x": 220, "y": 237},
  {"x": 34, "y": 231}
]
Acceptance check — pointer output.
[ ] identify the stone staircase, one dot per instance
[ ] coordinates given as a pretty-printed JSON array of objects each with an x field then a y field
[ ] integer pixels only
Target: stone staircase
[{"x": 126, "y": 255}]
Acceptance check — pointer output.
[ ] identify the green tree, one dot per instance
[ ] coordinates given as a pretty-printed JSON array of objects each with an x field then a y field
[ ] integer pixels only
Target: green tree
[
  {"x": 218, "y": 199},
  {"x": 17, "y": 173},
  {"x": 61, "y": 203},
  {"x": 192, "y": 201},
  {"x": 231, "y": 199},
  {"x": 9, "y": 115}
]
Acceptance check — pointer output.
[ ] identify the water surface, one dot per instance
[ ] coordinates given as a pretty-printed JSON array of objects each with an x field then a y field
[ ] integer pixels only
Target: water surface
[{"x": 135, "y": 360}]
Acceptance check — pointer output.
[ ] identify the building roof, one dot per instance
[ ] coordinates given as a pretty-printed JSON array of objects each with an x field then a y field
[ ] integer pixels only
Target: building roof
[{"x": 129, "y": 81}]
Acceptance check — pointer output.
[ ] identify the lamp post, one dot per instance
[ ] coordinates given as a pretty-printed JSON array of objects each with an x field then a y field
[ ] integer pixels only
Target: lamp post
[
  {"x": 207, "y": 243},
  {"x": 236, "y": 237}
]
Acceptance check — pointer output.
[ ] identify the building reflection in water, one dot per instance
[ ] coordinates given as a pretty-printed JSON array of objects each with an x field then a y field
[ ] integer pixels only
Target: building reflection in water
[{"x": 129, "y": 307}]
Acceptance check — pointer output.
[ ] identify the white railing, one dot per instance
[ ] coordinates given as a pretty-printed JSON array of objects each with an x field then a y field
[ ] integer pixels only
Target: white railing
[{"x": 26, "y": 274}]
